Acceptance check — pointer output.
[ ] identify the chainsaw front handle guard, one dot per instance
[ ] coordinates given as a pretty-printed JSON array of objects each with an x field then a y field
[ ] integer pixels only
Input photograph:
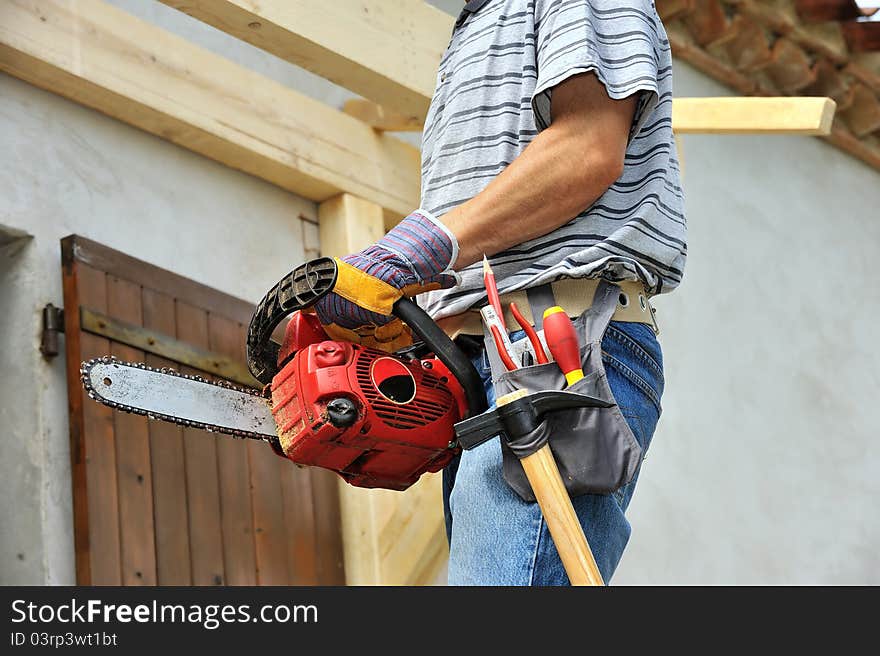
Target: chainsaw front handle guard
[
  {"x": 299, "y": 289},
  {"x": 305, "y": 286}
]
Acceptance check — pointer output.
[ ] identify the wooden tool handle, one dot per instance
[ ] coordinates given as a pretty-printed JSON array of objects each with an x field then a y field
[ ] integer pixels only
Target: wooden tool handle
[
  {"x": 555, "y": 504},
  {"x": 565, "y": 528}
]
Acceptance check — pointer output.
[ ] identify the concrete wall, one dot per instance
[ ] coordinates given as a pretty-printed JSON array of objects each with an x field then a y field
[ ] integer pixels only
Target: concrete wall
[{"x": 765, "y": 466}]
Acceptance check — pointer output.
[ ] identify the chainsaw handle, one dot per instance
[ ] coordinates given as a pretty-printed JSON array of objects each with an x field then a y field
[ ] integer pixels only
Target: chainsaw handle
[
  {"x": 307, "y": 284},
  {"x": 299, "y": 289},
  {"x": 446, "y": 351}
]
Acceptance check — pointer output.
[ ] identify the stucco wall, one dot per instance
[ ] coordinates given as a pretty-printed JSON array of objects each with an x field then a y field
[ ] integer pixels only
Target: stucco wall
[{"x": 764, "y": 468}]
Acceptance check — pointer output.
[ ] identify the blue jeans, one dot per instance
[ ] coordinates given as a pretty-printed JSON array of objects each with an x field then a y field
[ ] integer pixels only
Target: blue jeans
[{"x": 496, "y": 538}]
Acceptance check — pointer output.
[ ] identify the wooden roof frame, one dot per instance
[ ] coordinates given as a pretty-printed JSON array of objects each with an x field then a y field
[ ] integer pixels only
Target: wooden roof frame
[{"x": 105, "y": 58}]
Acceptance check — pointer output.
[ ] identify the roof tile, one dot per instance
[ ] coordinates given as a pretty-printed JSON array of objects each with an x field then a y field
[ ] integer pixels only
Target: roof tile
[{"x": 790, "y": 47}]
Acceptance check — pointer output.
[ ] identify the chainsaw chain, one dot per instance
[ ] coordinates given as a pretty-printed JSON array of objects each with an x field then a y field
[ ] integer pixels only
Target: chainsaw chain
[{"x": 86, "y": 368}]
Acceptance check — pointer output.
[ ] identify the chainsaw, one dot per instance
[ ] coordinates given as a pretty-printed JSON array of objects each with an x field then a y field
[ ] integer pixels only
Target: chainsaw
[{"x": 379, "y": 420}]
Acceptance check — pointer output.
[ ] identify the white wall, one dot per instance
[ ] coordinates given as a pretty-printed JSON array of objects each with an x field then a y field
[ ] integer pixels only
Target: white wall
[
  {"x": 765, "y": 467},
  {"x": 67, "y": 169}
]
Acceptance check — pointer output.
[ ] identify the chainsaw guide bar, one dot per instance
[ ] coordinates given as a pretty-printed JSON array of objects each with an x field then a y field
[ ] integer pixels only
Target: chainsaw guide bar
[{"x": 182, "y": 399}]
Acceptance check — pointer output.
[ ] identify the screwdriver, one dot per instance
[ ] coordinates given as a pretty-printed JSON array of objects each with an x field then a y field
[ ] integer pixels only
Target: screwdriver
[{"x": 563, "y": 343}]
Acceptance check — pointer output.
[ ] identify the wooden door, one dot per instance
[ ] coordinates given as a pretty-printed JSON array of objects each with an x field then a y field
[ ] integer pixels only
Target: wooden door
[{"x": 155, "y": 503}]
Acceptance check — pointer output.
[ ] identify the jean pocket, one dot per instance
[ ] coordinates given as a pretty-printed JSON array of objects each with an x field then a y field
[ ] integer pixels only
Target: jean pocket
[
  {"x": 640, "y": 344},
  {"x": 639, "y": 387},
  {"x": 637, "y": 399}
]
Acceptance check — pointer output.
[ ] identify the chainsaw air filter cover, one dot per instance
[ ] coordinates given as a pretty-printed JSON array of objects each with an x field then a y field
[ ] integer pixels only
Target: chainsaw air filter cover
[{"x": 376, "y": 419}]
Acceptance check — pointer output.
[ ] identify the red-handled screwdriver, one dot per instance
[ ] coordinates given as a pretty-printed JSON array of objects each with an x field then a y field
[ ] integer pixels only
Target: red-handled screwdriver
[{"x": 563, "y": 343}]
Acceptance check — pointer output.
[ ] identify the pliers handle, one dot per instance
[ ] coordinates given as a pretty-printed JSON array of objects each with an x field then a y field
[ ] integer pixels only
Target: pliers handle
[{"x": 535, "y": 341}]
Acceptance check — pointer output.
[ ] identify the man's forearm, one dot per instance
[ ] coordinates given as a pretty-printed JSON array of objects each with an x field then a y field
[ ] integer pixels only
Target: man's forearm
[
  {"x": 549, "y": 184},
  {"x": 561, "y": 173}
]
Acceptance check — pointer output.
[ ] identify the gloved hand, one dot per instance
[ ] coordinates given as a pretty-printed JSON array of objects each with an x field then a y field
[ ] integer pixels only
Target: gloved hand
[{"x": 414, "y": 257}]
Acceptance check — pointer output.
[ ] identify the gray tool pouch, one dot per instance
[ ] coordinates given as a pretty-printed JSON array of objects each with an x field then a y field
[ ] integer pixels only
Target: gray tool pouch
[{"x": 594, "y": 447}]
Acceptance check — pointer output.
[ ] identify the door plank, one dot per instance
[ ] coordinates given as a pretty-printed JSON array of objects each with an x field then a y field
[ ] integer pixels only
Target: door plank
[
  {"x": 270, "y": 536},
  {"x": 232, "y": 458},
  {"x": 99, "y": 452},
  {"x": 269, "y": 533},
  {"x": 328, "y": 526},
  {"x": 297, "y": 515},
  {"x": 167, "y": 461},
  {"x": 133, "y": 471},
  {"x": 299, "y": 522},
  {"x": 202, "y": 484}
]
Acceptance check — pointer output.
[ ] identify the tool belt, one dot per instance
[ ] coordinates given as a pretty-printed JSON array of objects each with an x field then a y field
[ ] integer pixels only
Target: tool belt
[
  {"x": 594, "y": 447},
  {"x": 573, "y": 294}
]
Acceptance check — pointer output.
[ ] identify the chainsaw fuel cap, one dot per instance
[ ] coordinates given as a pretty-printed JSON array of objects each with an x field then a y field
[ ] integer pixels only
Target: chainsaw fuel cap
[{"x": 393, "y": 380}]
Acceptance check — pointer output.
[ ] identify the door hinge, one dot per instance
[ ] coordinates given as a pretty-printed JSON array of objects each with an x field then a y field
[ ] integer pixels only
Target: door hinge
[{"x": 53, "y": 325}]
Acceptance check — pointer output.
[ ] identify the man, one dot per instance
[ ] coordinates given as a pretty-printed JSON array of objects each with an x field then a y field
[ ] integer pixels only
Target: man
[{"x": 548, "y": 147}]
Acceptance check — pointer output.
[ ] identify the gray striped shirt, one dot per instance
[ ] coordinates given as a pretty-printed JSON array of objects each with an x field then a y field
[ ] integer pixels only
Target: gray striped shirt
[{"x": 492, "y": 98}]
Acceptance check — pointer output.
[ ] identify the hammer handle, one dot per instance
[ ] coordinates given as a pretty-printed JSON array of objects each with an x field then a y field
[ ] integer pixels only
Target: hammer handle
[
  {"x": 555, "y": 504},
  {"x": 565, "y": 528}
]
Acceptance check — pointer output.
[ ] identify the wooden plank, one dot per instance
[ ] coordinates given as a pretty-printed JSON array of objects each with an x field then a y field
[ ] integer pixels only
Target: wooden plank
[
  {"x": 298, "y": 519},
  {"x": 387, "y": 52},
  {"x": 299, "y": 522},
  {"x": 381, "y": 118},
  {"x": 202, "y": 483},
  {"x": 269, "y": 530},
  {"x": 93, "y": 455},
  {"x": 121, "y": 265},
  {"x": 412, "y": 543},
  {"x": 167, "y": 461},
  {"x": 783, "y": 115},
  {"x": 330, "y": 549},
  {"x": 168, "y": 348},
  {"x": 133, "y": 471},
  {"x": 347, "y": 224},
  {"x": 226, "y": 337},
  {"x": 76, "y": 420},
  {"x": 104, "y": 58}
]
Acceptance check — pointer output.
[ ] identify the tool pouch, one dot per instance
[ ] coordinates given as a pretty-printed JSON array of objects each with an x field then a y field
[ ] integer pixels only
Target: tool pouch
[{"x": 594, "y": 447}]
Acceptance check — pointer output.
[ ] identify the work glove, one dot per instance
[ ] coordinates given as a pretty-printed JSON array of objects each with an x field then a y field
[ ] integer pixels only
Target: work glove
[{"x": 414, "y": 257}]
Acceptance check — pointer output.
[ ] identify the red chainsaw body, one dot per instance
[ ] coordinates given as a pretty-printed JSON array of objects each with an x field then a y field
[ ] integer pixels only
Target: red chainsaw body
[{"x": 394, "y": 424}]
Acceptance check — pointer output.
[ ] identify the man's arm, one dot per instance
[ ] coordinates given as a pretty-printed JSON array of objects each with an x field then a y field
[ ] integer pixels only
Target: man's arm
[
  {"x": 558, "y": 175},
  {"x": 562, "y": 172}
]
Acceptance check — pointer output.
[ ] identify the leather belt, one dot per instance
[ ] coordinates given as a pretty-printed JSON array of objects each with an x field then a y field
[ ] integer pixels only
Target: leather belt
[{"x": 573, "y": 294}]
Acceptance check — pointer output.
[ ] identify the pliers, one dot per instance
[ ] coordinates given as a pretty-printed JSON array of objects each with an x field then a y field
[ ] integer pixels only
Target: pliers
[{"x": 534, "y": 340}]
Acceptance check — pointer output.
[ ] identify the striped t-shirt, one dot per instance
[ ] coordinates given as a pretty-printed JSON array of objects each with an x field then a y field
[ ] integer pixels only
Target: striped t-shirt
[{"x": 493, "y": 96}]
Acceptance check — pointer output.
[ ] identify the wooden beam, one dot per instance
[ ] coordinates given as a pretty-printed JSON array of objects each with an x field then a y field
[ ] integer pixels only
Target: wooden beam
[
  {"x": 389, "y": 538},
  {"x": 381, "y": 118},
  {"x": 726, "y": 115},
  {"x": 167, "y": 347},
  {"x": 104, "y": 58},
  {"x": 385, "y": 51},
  {"x": 782, "y": 115}
]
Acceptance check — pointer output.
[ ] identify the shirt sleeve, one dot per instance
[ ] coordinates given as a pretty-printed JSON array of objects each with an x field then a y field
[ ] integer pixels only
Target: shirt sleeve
[{"x": 618, "y": 41}]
